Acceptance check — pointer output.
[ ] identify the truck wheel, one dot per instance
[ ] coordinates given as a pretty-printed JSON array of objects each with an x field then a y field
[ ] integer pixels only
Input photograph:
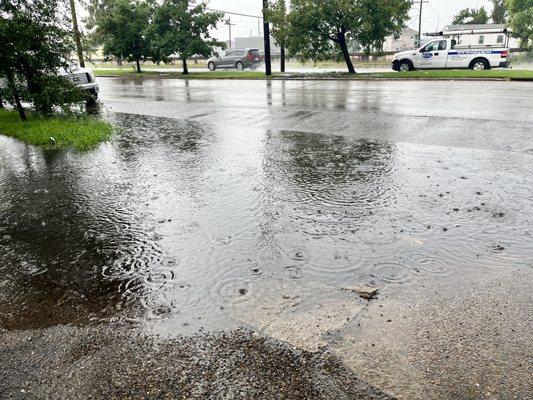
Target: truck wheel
[
  {"x": 211, "y": 66},
  {"x": 405, "y": 65},
  {"x": 239, "y": 66},
  {"x": 479, "y": 64}
]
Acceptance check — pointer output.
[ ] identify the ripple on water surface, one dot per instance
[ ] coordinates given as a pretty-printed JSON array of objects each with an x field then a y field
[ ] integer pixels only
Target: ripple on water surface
[{"x": 174, "y": 218}]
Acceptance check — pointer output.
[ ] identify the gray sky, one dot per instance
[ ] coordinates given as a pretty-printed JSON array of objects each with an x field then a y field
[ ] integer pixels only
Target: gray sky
[{"x": 437, "y": 14}]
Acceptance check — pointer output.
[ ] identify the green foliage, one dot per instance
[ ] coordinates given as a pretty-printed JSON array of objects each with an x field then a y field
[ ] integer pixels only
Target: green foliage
[
  {"x": 319, "y": 29},
  {"x": 120, "y": 26},
  {"x": 379, "y": 20},
  {"x": 521, "y": 20},
  {"x": 81, "y": 133},
  {"x": 277, "y": 16},
  {"x": 499, "y": 12},
  {"x": 182, "y": 27},
  {"x": 471, "y": 16},
  {"x": 36, "y": 44}
]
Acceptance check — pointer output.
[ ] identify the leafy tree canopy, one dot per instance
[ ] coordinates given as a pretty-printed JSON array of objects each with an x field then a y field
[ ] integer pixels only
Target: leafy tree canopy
[
  {"x": 35, "y": 45},
  {"x": 471, "y": 16},
  {"x": 521, "y": 19},
  {"x": 120, "y": 26},
  {"x": 182, "y": 27},
  {"x": 318, "y": 29},
  {"x": 499, "y": 12}
]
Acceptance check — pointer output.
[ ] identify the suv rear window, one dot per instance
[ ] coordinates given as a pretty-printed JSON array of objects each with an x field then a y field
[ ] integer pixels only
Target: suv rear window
[{"x": 254, "y": 52}]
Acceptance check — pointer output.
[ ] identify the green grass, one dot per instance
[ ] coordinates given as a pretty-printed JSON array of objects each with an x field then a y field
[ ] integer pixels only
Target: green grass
[
  {"x": 128, "y": 72},
  {"x": 81, "y": 133},
  {"x": 456, "y": 74},
  {"x": 437, "y": 74}
]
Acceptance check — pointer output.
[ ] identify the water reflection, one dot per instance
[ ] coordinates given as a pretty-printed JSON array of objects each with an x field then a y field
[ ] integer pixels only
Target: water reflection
[{"x": 177, "y": 218}]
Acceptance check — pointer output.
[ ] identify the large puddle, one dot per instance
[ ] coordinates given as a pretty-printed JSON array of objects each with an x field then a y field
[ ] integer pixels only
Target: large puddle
[{"x": 197, "y": 225}]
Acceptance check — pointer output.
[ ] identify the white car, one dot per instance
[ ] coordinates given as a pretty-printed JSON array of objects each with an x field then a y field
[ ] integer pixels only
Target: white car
[
  {"x": 84, "y": 78},
  {"x": 446, "y": 54}
]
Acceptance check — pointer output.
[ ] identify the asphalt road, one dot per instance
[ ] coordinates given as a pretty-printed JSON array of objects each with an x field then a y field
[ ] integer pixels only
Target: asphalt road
[
  {"x": 476, "y": 348},
  {"x": 212, "y": 249},
  {"x": 483, "y": 115}
]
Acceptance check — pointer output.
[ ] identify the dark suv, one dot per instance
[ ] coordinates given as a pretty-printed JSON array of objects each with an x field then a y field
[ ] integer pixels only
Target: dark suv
[{"x": 236, "y": 58}]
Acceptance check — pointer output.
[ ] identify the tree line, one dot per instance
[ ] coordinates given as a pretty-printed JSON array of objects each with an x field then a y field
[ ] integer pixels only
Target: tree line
[
  {"x": 518, "y": 14},
  {"x": 38, "y": 37},
  {"x": 136, "y": 30}
]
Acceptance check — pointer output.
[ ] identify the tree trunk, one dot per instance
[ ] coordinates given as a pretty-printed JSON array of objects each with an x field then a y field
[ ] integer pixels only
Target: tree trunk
[
  {"x": 185, "y": 69},
  {"x": 15, "y": 93},
  {"x": 282, "y": 50},
  {"x": 346, "y": 54},
  {"x": 138, "y": 63},
  {"x": 282, "y": 55},
  {"x": 1, "y": 103},
  {"x": 77, "y": 35}
]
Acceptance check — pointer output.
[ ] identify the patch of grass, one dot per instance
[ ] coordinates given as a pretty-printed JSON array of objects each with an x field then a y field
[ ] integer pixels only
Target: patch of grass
[
  {"x": 128, "y": 72},
  {"x": 225, "y": 75},
  {"x": 433, "y": 74},
  {"x": 81, "y": 133},
  {"x": 454, "y": 74}
]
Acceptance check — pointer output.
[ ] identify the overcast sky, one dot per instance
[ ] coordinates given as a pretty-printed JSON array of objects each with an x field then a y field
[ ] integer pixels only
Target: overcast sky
[{"x": 437, "y": 14}]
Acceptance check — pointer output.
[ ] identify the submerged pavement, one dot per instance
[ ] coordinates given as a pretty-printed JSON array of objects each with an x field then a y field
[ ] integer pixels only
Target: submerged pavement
[{"x": 235, "y": 220}]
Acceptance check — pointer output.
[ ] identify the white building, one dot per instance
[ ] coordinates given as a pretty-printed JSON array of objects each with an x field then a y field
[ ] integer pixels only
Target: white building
[
  {"x": 256, "y": 42},
  {"x": 483, "y": 39},
  {"x": 407, "y": 41}
]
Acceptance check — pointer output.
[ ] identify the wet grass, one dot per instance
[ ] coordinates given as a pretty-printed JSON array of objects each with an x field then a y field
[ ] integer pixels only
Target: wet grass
[
  {"x": 430, "y": 75},
  {"x": 457, "y": 74},
  {"x": 81, "y": 133},
  {"x": 127, "y": 72}
]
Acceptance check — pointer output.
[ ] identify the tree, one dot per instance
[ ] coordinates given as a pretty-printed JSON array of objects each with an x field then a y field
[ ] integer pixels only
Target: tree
[
  {"x": 36, "y": 44},
  {"x": 121, "y": 26},
  {"x": 471, "y": 16},
  {"x": 521, "y": 19},
  {"x": 77, "y": 34},
  {"x": 499, "y": 12},
  {"x": 319, "y": 29},
  {"x": 277, "y": 15},
  {"x": 182, "y": 27}
]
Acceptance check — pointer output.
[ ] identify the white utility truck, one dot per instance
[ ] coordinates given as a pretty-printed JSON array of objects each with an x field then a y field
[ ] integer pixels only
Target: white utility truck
[{"x": 448, "y": 53}]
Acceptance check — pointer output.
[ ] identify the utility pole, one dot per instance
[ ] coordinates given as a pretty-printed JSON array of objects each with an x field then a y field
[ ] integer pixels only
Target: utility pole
[
  {"x": 266, "y": 33},
  {"x": 420, "y": 23},
  {"x": 77, "y": 35},
  {"x": 282, "y": 49},
  {"x": 228, "y": 23}
]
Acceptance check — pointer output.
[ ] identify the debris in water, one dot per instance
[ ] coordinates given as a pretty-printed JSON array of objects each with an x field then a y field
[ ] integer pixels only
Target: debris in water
[{"x": 365, "y": 292}]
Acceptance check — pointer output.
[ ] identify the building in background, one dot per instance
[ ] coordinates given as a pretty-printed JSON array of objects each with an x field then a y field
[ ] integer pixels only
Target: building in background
[
  {"x": 406, "y": 41},
  {"x": 256, "y": 42},
  {"x": 483, "y": 39}
]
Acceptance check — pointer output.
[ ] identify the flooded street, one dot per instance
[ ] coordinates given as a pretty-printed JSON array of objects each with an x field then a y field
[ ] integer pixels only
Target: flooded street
[{"x": 262, "y": 207}]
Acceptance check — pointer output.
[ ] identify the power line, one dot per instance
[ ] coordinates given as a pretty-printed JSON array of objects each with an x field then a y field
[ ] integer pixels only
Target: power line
[{"x": 234, "y": 13}]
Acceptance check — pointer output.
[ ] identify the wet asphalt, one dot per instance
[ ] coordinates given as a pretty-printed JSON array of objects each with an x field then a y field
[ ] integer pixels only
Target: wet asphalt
[{"x": 214, "y": 248}]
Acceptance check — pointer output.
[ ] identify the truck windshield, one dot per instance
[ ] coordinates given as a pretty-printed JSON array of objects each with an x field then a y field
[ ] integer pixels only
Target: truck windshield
[{"x": 433, "y": 46}]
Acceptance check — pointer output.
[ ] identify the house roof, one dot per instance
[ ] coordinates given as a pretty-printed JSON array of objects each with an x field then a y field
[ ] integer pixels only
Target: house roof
[{"x": 469, "y": 27}]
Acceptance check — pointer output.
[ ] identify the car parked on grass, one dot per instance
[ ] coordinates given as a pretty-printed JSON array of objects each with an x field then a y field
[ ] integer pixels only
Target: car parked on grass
[{"x": 236, "y": 58}]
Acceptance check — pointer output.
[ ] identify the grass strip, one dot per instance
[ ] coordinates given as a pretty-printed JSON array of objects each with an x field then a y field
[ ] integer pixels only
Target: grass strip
[{"x": 81, "y": 133}]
